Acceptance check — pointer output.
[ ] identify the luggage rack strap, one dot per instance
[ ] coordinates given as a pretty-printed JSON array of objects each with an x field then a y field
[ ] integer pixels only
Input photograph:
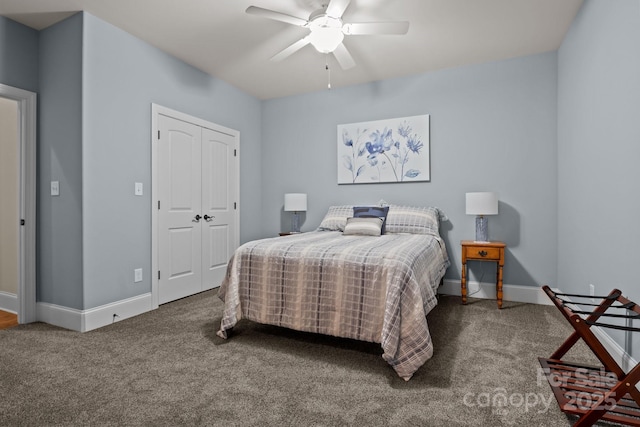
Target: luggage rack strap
[
  {"x": 621, "y": 316},
  {"x": 610, "y": 326},
  {"x": 615, "y": 294}
]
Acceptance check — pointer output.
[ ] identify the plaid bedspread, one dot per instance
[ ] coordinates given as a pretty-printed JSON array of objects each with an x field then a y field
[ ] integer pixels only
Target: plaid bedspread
[{"x": 376, "y": 289}]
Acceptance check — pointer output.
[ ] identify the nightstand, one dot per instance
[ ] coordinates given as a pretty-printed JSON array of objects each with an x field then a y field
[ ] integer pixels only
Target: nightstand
[{"x": 482, "y": 251}]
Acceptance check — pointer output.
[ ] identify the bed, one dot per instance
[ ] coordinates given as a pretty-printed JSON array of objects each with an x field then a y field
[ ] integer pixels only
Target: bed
[{"x": 372, "y": 279}]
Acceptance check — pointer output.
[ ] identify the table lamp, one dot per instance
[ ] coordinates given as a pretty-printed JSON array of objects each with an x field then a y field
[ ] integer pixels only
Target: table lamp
[
  {"x": 295, "y": 202},
  {"x": 481, "y": 204}
]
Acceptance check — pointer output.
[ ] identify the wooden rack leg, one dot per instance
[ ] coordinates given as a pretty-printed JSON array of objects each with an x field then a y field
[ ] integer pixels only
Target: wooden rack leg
[{"x": 627, "y": 384}]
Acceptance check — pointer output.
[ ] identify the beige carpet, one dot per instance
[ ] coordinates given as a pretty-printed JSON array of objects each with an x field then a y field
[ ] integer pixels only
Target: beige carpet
[{"x": 167, "y": 367}]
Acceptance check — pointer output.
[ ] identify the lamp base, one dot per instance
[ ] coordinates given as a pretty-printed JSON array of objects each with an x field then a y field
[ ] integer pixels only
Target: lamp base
[
  {"x": 481, "y": 229},
  {"x": 295, "y": 223}
]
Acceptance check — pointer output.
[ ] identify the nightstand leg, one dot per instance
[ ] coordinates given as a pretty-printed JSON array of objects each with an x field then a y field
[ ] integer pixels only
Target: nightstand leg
[
  {"x": 499, "y": 286},
  {"x": 463, "y": 284}
]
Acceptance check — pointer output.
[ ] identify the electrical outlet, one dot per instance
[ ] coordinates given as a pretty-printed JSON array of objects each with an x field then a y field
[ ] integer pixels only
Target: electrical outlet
[{"x": 137, "y": 275}]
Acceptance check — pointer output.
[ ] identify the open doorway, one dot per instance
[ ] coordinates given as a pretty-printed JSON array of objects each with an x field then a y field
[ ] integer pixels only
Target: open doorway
[
  {"x": 9, "y": 209},
  {"x": 18, "y": 212}
]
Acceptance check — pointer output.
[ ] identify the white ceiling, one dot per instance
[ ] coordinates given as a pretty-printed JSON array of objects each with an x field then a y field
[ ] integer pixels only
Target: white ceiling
[{"x": 218, "y": 37}]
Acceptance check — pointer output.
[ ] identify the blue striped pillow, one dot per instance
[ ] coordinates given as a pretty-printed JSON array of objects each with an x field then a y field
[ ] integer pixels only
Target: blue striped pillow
[{"x": 372, "y": 212}]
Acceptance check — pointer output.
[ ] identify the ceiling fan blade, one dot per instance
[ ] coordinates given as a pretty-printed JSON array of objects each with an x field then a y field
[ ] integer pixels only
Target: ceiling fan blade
[
  {"x": 336, "y": 8},
  {"x": 277, "y": 16},
  {"x": 344, "y": 57},
  {"x": 291, "y": 49},
  {"x": 376, "y": 28}
]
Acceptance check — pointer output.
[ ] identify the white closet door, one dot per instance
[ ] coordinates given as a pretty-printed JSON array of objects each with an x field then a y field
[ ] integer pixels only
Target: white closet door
[
  {"x": 179, "y": 222},
  {"x": 218, "y": 199}
]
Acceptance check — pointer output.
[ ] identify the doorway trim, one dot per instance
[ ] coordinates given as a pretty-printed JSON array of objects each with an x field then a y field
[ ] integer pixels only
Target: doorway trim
[
  {"x": 156, "y": 112},
  {"x": 27, "y": 194}
]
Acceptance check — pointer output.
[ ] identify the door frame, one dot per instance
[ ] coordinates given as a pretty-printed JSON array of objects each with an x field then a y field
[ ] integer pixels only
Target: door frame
[
  {"x": 156, "y": 112},
  {"x": 27, "y": 111}
]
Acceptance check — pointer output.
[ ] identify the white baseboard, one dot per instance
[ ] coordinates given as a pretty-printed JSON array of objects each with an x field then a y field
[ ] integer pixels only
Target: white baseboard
[
  {"x": 93, "y": 318},
  {"x": 9, "y": 302},
  {"x": 515, "y": 293},
  {"x": 104, "y": 315},
  {"x": 535, "y": 295},
  {"x": 57, "y": 315}
]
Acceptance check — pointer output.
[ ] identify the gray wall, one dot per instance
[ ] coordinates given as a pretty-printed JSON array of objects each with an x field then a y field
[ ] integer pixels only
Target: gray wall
[
  {"x": 18, "y": 55},
  {"x": 599, "y": 149},
  {"x": 493, "y": 128},
  {"x": 95, "y": 85},
  {"x": 122, "y": 77},
  {"x": 59, "y": 235}
]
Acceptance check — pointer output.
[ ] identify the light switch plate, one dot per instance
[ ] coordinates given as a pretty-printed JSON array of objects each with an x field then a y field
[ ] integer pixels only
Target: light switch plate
[
  {"x": 55, "y": 188},
  {"x": 138, "y": 189}
]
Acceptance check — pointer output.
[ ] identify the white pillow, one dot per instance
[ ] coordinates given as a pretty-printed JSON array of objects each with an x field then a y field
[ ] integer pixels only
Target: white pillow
[{"x": 371, "y": 226}]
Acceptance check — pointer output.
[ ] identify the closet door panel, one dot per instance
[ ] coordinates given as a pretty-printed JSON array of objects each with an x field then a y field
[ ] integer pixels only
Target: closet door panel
[
  {"x": 219, "y": 197},
  {"x": 180, "y": 232}
]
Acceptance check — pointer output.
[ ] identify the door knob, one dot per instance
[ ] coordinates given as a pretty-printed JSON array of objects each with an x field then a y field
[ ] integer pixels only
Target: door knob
[
  {"x": 197, "y": 218},
  {"x": 208, "y": 218}
]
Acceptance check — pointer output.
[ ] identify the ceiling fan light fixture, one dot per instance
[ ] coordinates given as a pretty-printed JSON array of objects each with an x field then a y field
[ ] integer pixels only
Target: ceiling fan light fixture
[
  {"x": 327, "y": 30},
  {"x": 326, "y": 33}
]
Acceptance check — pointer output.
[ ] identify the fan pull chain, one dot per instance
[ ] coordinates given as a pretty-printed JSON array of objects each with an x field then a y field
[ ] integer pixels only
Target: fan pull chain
[{"x": 326, "y": 66}]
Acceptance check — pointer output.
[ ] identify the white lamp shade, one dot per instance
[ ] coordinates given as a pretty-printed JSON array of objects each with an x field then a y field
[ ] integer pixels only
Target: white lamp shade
[
  {"x": 296, "y": 202},
  {"x": 483, "y": 203}
]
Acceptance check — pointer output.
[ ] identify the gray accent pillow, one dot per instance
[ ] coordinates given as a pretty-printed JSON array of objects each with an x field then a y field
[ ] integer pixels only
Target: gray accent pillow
[{"x": 336, "y": 218}]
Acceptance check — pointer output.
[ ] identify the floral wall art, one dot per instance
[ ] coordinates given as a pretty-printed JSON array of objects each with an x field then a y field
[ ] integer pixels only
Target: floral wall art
[{"x": 392, "y": 150}]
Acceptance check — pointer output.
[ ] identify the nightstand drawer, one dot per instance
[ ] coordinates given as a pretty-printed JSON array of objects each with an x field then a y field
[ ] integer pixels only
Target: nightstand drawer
[{"x": 482, "y": 252}]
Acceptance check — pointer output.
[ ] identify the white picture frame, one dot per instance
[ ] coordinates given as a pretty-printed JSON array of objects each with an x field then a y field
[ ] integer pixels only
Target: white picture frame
[{"x": 384, "y": 151}]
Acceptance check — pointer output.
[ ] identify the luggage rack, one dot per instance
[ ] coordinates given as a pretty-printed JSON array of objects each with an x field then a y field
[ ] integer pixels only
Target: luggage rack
[{"x": 594, "y": 392}]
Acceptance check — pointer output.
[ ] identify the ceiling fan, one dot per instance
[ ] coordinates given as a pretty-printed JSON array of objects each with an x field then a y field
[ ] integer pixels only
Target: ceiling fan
[{"x": 327, "y": 30}]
